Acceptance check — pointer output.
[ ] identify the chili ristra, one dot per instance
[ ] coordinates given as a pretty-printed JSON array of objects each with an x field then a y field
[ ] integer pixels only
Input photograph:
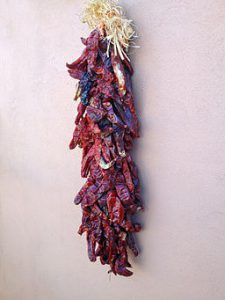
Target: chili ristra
[{"x": 106, "y": 124}]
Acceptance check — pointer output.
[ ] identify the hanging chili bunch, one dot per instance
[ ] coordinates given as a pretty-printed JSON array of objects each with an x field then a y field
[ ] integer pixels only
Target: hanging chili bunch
[{"x": 106, "y": 124}]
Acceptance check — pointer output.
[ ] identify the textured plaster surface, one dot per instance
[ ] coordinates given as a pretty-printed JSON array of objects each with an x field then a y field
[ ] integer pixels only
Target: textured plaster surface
[{"x": 179, "y": 85}]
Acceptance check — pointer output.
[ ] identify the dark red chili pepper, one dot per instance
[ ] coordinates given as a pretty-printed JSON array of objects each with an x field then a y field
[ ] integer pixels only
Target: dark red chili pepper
[{"x": 106, "y": 124}]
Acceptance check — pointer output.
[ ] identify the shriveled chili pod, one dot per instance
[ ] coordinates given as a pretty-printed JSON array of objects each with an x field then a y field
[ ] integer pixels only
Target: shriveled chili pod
[{"x": 106, "y": 124}]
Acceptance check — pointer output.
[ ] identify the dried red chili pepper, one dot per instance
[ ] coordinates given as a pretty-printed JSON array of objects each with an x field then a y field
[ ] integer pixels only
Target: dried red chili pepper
[{"x": 106, "y": 124}]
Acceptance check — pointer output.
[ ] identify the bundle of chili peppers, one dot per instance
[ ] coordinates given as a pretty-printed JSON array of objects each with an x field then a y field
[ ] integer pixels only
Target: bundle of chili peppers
[{"x": 106, "y": 124}]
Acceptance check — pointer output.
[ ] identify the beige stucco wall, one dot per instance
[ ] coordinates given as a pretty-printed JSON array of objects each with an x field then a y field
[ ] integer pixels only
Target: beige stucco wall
[{"x": 180, "y": 90}]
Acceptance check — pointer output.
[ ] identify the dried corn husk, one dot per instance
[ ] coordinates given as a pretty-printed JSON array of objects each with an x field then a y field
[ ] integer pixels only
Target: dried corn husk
[{"x": 107, "y": 15}]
